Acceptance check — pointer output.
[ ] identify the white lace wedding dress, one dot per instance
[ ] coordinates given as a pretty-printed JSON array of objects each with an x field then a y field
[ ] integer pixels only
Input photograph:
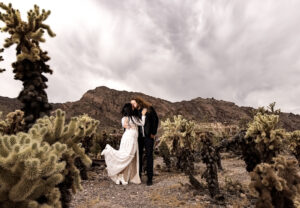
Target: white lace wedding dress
[{"x": 125, "y": 160}]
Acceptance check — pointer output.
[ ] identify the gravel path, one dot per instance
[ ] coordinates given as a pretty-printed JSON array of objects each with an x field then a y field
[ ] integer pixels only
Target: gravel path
[{"x": 169, "y": 189}]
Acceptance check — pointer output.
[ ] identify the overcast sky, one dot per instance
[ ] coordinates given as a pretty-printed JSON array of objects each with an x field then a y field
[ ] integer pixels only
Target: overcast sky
[{"x": 244, "y": 51}]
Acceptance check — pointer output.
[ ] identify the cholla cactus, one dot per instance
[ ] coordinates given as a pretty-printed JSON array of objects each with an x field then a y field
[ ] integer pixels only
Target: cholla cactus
[
  {"x": 276, "y": 184},
  {"x": 13, "y": 123},
  {"x": 31, "y": 60},
  {"x": 182, "y": 129},
  {"x": 29, "y": 171},
  {"x": 270, "y": 109},
  {"x": 179, "y": 135},
  {"x": 260, "y": 142},
  {"x": 240, "y": 145},
  {"x": 165, "y": 154},
  {"x": 263, "y": 133},
  {"x": 71, "y": 134},
  {"x": 294, "y": 143},
  {"x": 53, "y": 129},
  {"x": 210, "y": 157}
]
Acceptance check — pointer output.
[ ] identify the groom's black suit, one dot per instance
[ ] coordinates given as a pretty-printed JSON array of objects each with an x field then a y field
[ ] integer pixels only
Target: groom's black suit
[{"x": 145, "y": 140}]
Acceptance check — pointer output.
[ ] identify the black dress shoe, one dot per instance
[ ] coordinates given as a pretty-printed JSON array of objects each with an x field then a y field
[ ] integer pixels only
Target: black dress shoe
[{"x": 149, "y": 183}]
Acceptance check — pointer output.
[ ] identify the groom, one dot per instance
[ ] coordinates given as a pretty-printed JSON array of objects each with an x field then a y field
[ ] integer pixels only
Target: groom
[{"x": 146, "y": 134}]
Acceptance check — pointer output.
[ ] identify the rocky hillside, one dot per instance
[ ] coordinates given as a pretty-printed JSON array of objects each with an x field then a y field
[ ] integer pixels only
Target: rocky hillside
[{"x": 105, "y": 105}]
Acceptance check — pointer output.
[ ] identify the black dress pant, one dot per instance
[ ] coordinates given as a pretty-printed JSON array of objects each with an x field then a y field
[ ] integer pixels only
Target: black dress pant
[{"x": 146, "y": 143}]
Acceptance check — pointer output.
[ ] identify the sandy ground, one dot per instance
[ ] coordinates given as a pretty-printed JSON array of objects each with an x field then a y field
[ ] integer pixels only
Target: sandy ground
[{"x": 169, "y": 189}]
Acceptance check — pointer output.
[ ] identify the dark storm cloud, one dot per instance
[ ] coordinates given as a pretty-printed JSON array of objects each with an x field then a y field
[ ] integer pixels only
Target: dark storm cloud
[{"x": 240, "y": 51}]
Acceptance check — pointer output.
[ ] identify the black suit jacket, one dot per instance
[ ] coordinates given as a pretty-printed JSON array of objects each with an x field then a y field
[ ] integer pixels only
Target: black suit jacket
[{"x": 151, "y": 122}]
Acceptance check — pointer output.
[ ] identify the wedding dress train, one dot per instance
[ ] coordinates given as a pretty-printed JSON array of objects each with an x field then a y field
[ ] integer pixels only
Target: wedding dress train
[{"x": 124, "y": 163}]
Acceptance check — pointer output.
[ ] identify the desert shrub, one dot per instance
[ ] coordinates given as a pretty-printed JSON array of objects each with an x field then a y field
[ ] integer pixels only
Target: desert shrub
[
  {"x": 30, "y": 170},
  {"x": 276, "y": 185},
  {"x": 53, "y": 129},
  {"x": 218, "y": 130},
  {"x": 233, "y": 186},
  {"x": 269, "y": 110},
  {"x": 294, "y": 144},
  {"x": 13, "y": 123},
  {"x": 244, "y": 147},
  {"x": 260, "y": 142},
  {"x": 264, "y": 135},
  {"x": 243, "y": 123},
  {"x": 180, "y": 138},
  {"x": 31, "y": 59},
  {"x": 164, "y": 152},
  {"x": 210, "y": 157}
]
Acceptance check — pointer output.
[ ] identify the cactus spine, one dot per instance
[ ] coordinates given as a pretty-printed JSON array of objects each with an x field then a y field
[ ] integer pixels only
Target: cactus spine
[
  {"x": 54, "y": 129},
  {"x": 30, "y": 169},
  {"x": 13, "y": 123},
  {"x": 276, "y": 184}
]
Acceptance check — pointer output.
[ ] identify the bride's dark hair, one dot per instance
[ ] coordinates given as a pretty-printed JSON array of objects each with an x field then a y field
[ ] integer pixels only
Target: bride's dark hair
[{"x": 128, "y": 111}]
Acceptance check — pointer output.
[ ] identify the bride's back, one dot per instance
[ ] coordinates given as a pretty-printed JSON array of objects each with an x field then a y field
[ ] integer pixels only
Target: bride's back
[{"x": 130, "y": 122}]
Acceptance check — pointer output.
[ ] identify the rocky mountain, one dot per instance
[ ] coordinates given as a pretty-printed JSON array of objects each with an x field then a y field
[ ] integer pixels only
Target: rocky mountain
[{"x": 105, "y": 105}]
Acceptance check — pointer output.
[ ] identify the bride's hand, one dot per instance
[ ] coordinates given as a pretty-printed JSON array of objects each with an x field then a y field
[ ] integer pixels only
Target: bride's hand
[{"x": 144, "y": 111}]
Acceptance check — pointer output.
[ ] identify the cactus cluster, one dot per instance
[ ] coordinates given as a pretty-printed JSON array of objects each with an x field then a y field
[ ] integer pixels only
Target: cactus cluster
[
  {"x": 70, "y": 134},
  {"x": 265, "y": 136},
  {"x": 30, "y": 170},
  {"x": 41, "y": 150},
  {"x": 269, "y": 110},
  {"x": 180, "y": 138},
  {"x": 294, "y": 144},
  {"x": 53, "y": 129},
  {"x": 276, "y": 184},
  {"x": 31, "y": 59},
  {"x": 260, "y": 142},
  {"x": 239, "y": 145},
  {"x": 50, "y": 139},
  {"x": 13, "y": 123}
]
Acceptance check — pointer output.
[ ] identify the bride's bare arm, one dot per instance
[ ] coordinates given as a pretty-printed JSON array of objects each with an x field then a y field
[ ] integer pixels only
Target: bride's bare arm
[{"x": 125, "y": 122}]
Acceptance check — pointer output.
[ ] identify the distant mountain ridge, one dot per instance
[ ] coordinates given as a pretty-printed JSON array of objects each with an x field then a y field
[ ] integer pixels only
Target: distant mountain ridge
[{"x": 105, "y": 104}]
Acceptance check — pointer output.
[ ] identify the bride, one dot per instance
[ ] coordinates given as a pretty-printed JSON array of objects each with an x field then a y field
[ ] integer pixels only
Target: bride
[{"x": 123, "y": 164}]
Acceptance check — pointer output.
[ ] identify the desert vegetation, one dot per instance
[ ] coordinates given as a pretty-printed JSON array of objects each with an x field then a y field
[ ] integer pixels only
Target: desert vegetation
[
  {"x": 31, "y": 59},
  {"x": 47, "y": 161}
]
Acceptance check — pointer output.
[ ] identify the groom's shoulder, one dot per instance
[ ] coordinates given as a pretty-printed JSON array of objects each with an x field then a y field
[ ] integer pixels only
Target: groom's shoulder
[{"x": 151, "y": 108}]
